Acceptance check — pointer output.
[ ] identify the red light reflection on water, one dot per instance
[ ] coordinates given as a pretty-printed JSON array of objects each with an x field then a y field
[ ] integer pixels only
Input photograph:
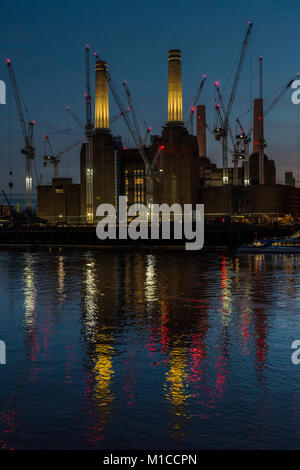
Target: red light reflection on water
[
  {"x": 95, "y": 429},
  {"x": 9, "y": 422},
  {"x": 159, "y": 333},
  {"x": 130, "y": 379}
]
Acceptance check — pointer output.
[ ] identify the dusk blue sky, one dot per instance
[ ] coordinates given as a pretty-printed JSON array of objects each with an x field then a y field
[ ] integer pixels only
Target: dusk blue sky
[{"x": 45, "y": 41}]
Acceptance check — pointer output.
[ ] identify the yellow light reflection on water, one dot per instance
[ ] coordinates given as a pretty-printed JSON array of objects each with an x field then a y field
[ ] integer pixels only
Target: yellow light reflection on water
[
  {"x": 103, "y": 369},
  {"x": 176, "y": 393}
]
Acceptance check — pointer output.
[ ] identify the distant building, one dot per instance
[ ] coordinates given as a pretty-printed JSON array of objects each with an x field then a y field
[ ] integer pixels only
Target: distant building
[
  {"x": 255, "y": 200},
  {"x": 5, "y": 210},
  {"x": 289, "y": 179},
  {"x": 269, "y": 169},
  {"x": 60, "y": 201}
]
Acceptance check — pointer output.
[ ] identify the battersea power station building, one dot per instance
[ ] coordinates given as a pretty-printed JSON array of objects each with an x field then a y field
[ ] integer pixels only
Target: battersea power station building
[
  {"x": 182, "y": 173},
  {"x": 120, "y": 171}
]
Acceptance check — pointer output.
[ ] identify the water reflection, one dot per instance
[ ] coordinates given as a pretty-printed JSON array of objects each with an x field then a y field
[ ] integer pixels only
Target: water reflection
[
  {"x": 180, "y": 345},
  {"x": 99, "y": 302},
  {"x": 61, "y": 277},
  {"x": 29, "y": 290}
]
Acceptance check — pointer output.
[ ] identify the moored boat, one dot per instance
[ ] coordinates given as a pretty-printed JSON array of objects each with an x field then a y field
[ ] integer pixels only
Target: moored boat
[{"x": 289, "y": 244}]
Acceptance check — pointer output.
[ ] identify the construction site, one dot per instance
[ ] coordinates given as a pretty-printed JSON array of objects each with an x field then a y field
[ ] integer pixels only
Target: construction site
[{"x": 172, "y": 167}]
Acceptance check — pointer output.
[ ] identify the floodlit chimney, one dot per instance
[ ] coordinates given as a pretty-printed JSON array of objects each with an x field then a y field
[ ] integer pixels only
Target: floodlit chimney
[
  {"x": 101, "y": 96},
  {"x": 174, "y": 87},
  {"x": 201, "y": 130}
]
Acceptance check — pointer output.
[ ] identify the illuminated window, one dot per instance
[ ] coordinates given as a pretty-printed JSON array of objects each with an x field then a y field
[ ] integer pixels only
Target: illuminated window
[{"x": 138, "y": 185}]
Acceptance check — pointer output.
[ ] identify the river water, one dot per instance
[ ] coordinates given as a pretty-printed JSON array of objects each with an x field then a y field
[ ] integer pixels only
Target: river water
[{"x": 170, "y": 350}]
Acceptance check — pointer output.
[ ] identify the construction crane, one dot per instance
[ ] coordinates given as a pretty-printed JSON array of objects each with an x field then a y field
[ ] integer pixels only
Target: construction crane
[
  {"x": 29, "y": 150},
  {"x": 139, "y": 142},
  {"x": 55, "y": 159},
  {"x": 134, "y": 117},
  {"x": 227, "y": 111},
  {"x": 190, "y": 122},
  {"x": 219, "y": 124},
  {"x": 158, "y": 153},
  {"x": 88, "y": 128},
  {"x": 219, "y": 114},
  {"x": 117, "y": 116},
  {"x": 282, "y": 91},
  {"x": 76, "y": 118},
  {"x": 236, "y": 151},
  {"x": 133, "y": 114},
  {"x": 218, "y": 131},
  {"x": 242, "y": 150},
  {"x": 89, "y": 141},
  {"x": 148, "y": 130},
  {"x": 277, "y": 98}
]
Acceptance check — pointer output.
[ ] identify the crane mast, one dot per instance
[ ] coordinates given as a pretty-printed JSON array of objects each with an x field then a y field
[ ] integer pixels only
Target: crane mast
[
  {"x": 29, "y": 150},
  {"x": 230, "y": 103},
  {"x": 89, "y": 141},
  {"x": 236, "y": 152},
  {"x": 243, "y": 141}
]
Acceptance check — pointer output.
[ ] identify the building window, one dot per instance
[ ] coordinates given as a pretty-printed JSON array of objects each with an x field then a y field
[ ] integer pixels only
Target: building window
[{"x": 139, "y": 186}]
